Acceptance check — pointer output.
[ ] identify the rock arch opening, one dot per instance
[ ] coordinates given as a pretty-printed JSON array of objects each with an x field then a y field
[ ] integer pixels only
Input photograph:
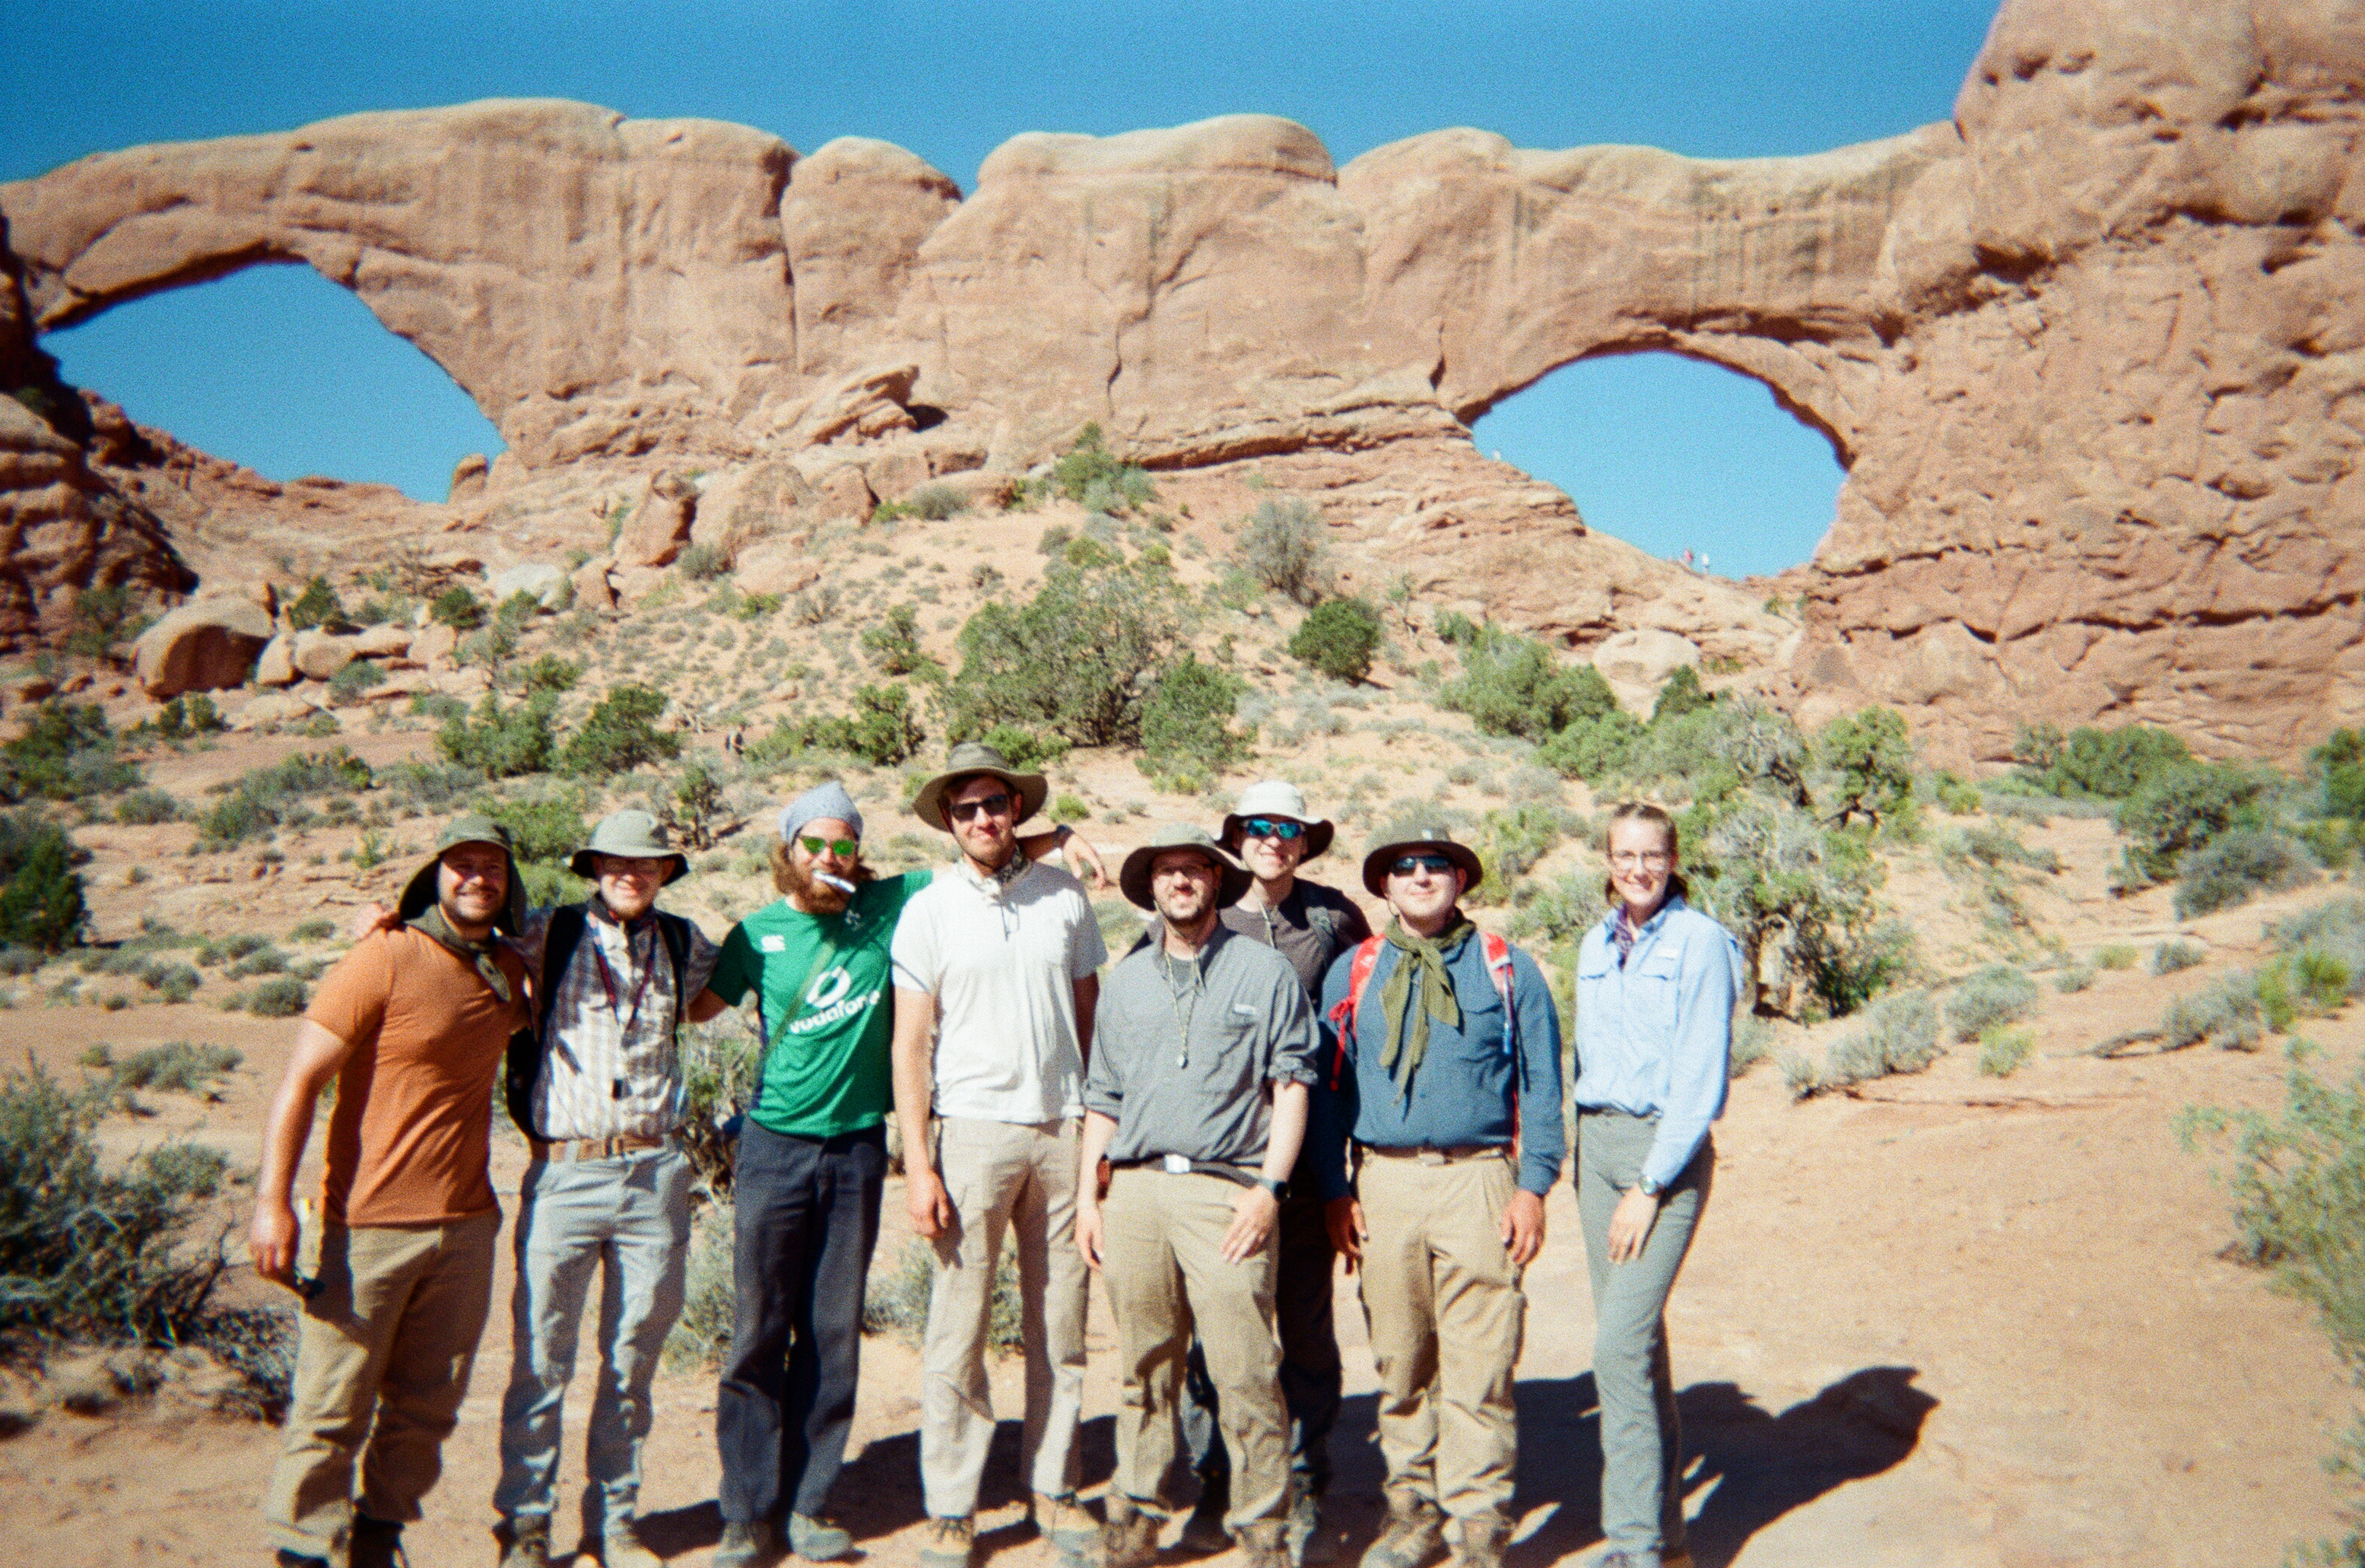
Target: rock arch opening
[
  {"x": 1671, "y": 453},
  {"x": 275, "y": 367}
]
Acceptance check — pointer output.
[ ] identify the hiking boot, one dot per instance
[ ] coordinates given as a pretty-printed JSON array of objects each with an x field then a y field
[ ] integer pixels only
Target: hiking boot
[
  {"x": 1073, "y": 1533},
  {"x": 1415, "y": 1536},
  {"x": 815, "y": 1540},
  {"x": 376, "y": 1543},
  {"x": 748, "y": 1543},
  {"x": 525, "y": 1540},
  {"x": 1481, "y": 1540},
  {"x": 1309, "y": 1546},
  {"x": 949, "y": 1543},
  {"x": 1203, "y": 1532},
  {"x": 1130, "y": 1538},
  {"x": 1266, "y": 1542},
  {"x": 622, "y": 1547}
]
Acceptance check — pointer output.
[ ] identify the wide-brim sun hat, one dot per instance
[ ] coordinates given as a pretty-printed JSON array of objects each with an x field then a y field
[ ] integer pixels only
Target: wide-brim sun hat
[
  {"x": 634, "y": 834},
  {"x": 970, "y": 760},
  {"x": 421, "y": 893},
  {"x": 1432, "y": 840},
  {"x": 1133, "y": 878},
  {"x": 1275, "y": 797}
]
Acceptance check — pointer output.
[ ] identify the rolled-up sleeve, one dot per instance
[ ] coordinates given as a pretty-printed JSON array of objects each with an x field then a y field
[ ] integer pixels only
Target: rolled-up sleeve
[
  {"x": 1699, "y": 1056},
  {"x": 1296, "y": 1044},
  {"x": 1103, "y": 1093},
  {"x": 1543, "y": 1129}
]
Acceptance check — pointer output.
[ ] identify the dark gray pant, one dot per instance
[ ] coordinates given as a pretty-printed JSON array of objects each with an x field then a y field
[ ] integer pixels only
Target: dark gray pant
[
  {"x": 1310, "y": 1354},
  {"x": 808, "y": 1217},
  {"x": 1641, "y": 1441}
]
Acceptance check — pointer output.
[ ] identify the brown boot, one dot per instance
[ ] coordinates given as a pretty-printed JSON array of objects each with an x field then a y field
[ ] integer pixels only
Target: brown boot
[
  {"x": 1266, "y": 1541},
  {"x": 1130, "y": 1537},
  {"x": 1480, "y": 1541},
  {"x": 1415, "y": 1536}
]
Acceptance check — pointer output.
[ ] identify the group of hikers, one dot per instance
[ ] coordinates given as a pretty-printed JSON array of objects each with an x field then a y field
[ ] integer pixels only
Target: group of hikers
[{"x": 1259, "y": 1088}]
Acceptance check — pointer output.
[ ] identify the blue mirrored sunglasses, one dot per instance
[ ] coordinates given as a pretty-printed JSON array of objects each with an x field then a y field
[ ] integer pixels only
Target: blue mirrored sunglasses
[{"x": 1271, "y": 827}]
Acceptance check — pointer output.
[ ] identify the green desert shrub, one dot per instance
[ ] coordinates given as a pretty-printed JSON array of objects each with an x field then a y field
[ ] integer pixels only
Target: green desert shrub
[
  {"x": 457, "y": 607},
  {"x": 1338, "y": 637},
  {"x": 190, "y": 714},
  {"x": 1784, "y": 884},
  {"x": 1509, "y": 843},
  {"x": 883, "y": 729},
  {"x": 2176, "y": 954},
  {"x": 282, "y": 996},
  {"x": 2178, "y": 809},
  {"x": 2110, "y": 765},
  {"x": 2115, "y": 955},
  {"x": 551, "y": 673},
  {"x": 280, "y": 796},
  {"x": 1092, "y": 476},
  {"x": 1871, "y": 763},
  {"x": 66, "y": 753},
  {"x": 180, "y": 1067},
  {"x": 897, "y": 1300},
  {"x": 702, "y": 563},
  {"x": 2298, "y": 1187},
  {"x": 1187, "y": 734},
  {"x": 1283, "y": 546},
  {"x": 502, "y": 743},
  {"x": 893, "y": 644},
  {"x": 104, "y": 619},
  {"x": 2226, "y": 1015},
  {"x": 1077, "y": 660},
  {"x": 349, "y": 684},
  {"x": 1682, "y": 694},
  {"x": 701, "y": 1335},
  {"x": 318, "y": 606},
  {"x": 621, "y": 734},
  {"x": 936, "y": 503},
  {"x": 1900, "y": 1036},
  {"x": 41, "y": 903},
  {"x": 1997, "y": 995},
  {"x": 1511, "y": 685},
  {"x": 2005, "y": 1051},
  {"x": 2236, "y": 866},
  {"x": 1029, "y": 751},
  {"x": 146, "y": 808}
]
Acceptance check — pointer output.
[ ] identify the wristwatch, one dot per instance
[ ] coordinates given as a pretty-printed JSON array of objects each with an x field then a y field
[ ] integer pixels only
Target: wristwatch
[
  {"x": 1648, "y": 1188},
  {"x": 1280, "y": 1189}
]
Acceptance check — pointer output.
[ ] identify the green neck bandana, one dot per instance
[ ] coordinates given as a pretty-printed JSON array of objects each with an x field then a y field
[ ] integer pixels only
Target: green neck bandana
[
  {"x": 1407, "y": 1037},
  {"x": 480, "y": 954}
]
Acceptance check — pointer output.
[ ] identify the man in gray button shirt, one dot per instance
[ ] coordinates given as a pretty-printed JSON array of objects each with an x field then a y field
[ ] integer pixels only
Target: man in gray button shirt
[{"x": 1203, "y": 1052}]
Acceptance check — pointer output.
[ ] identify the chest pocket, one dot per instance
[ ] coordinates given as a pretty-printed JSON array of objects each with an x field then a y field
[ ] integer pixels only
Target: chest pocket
[
  {"x": 1652, "y": 984},
  {"x": 1482, "y": 1026}
]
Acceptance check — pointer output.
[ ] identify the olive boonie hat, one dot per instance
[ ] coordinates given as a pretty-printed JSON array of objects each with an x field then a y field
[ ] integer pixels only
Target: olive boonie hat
[
  {"x": 1275, "y": 797},
  {"x": 419, "y": 895},
  {"x": 635, "y": 833},
  {"x": 968, "y": 760},
  {"x": 1435, "y": 840},
  {"x": 1133, "y": 878}
]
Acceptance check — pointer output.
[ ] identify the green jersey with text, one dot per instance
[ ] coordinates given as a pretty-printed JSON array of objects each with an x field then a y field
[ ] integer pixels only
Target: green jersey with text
[{"x": 826, "y": 987}]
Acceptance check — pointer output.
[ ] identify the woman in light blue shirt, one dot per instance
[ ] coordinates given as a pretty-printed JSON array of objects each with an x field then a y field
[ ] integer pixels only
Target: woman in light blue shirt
[{"x": 1656, "y": 986}]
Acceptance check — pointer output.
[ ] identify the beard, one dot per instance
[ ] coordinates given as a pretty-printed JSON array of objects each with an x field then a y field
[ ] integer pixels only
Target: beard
[{"x": 817, "y": 896}]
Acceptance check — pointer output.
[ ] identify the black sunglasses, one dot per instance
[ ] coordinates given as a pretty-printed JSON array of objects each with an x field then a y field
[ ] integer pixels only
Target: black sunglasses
[
  {"x": 1271, "y": 827},
  {"x": 1408, "y": 864},
  {"x": 987, "y": 805}
]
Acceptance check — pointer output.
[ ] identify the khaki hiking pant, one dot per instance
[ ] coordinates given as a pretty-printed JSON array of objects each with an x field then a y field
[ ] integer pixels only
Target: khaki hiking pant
[
  {"x": 1163, "y": 1263},
  {"x": 382, "y": 1363},
  {"x": 1442, "y": 1299},
  {"x": 1003, "y": 1177}
]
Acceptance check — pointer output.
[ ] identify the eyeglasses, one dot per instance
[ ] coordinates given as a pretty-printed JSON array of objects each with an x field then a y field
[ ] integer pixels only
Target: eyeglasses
[
  {"x": 1632, "y": 859},
  {"x": 1270, "y": 827},
  {"x": 1408, "y": 864},
  {"x": 985, "y": 805},
  {"x": 845, "y": 848}
]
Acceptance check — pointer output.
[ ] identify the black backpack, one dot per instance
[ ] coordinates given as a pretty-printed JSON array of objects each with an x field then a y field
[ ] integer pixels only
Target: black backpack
[{"x": 526, "y": 1047}]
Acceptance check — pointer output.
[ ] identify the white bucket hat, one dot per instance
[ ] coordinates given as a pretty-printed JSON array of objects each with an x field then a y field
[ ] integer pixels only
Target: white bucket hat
[{"x": 1275, "y": 797}]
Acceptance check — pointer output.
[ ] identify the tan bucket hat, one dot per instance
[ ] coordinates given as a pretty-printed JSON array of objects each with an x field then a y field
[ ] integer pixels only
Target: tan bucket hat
[
  {"x": 968, "y": 760},
  {"x": 419, "y": 895},
  {"x": 1275, "y": 797},
  {"x": 1435, "y": 840},
  {"x": 633, "y": 834},
  {"x": 1133, "y": 878}
]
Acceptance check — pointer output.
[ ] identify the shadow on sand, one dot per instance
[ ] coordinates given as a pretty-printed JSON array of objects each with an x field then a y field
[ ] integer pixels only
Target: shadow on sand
[{"x": 1759, "y": 1464}]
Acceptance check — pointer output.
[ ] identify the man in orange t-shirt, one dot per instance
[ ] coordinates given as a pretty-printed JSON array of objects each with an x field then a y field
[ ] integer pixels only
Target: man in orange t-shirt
[{"x": 413, "y": 1025}]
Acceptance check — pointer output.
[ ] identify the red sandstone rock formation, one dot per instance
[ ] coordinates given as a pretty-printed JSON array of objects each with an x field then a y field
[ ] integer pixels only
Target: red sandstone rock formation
[{"x": 2094, "y": 352}]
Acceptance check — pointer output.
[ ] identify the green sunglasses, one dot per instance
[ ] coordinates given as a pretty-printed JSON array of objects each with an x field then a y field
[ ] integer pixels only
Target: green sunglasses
[{"x": 846, "y": 848}]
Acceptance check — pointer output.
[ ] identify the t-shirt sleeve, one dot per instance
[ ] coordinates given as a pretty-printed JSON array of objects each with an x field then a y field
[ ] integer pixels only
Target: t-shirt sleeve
[
  {"x": 735, "y": 967},
  {"x": 1086, "y": 951},
  {"x": 350, "y": 1003},
  {"x": 1356, "y": 927},
  {"x": 918, "y": 964},
  {"x": 1296, "y": 1042}
]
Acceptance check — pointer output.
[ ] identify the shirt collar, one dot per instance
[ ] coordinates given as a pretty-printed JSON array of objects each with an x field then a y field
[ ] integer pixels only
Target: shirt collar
[
  {"x": 602, "y": 913},
  {"x": 1616, "y": 917},
  {"x": 1001, "y": 880}
]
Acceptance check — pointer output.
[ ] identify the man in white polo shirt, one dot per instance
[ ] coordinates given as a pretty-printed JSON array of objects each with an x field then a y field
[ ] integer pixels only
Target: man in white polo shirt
[{"x": 998, "y": 961}]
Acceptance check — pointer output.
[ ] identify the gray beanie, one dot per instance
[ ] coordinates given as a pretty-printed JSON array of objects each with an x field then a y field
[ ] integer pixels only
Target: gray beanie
[{"x": 825, "y": 799}]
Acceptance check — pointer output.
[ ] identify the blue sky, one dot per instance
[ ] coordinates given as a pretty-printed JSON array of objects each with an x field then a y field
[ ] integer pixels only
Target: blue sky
[{"x": 279, "y": 369}]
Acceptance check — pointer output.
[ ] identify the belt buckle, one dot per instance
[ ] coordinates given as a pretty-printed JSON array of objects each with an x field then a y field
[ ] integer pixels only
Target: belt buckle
[
  {"x": 1178, "y": 1164},
  {"x": 1430, "y": 1155}
]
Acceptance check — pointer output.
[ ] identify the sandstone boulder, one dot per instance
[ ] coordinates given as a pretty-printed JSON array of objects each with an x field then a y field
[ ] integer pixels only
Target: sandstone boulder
[
  {"x": 660, "y": 522},
  {"x": 432, "y": 644},
  {"x": 386, "y": 642},
  {"x": 207, "y": 645},
  {"x": 591, "y": 586},
  {"x": 276, "y": 663},
  {"x": 469, "y": 478},
  {"x": 1637, "y": 663},
  {"x": 778, "y": 566},
  {"x": 545, "y": 580},
  {"x": 321, "y": 655}
]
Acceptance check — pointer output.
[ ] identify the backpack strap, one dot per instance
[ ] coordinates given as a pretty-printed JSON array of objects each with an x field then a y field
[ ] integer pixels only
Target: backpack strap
[
  {"x": 523, "y": 1064},
  {"x": 1342, "y": 1017}
]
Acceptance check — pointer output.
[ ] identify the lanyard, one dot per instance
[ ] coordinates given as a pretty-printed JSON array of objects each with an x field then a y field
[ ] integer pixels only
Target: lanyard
[
  {"x": 1182, "y": 1014},
  {"x": 608, "y": 980}
]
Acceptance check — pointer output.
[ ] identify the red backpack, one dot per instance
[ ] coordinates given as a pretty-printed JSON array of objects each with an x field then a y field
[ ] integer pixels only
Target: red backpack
[{"x": 1359, "y": 975}]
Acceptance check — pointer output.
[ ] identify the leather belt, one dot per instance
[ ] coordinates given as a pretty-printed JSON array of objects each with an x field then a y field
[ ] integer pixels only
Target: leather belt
[
  {"x": 574, "y": 1151},
  {"x": 1184, "y": 1165},
  {"x": 1451, "y": 1155}
]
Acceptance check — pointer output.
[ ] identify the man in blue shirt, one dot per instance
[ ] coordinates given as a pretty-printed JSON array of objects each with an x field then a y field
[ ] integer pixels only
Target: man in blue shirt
[{"x": 1447, "y": 1070}]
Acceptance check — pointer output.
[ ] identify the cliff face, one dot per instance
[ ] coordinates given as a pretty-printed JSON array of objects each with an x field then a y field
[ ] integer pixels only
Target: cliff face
[{"x": 2090, "y": 351}]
